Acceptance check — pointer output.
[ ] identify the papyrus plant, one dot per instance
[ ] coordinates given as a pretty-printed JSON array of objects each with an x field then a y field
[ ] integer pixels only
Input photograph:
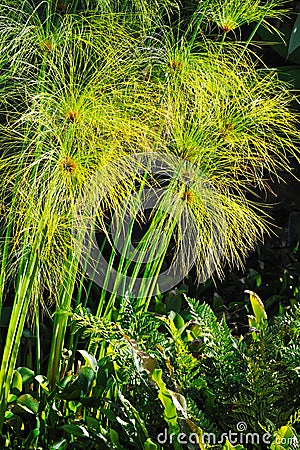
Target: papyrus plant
[
  {"x": 70, "y": 108},
  {"x": 82, "y": 93}
]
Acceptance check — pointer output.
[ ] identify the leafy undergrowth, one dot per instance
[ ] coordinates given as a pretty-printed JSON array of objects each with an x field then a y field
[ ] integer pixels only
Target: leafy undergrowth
[{"x": 167, "y": 381}]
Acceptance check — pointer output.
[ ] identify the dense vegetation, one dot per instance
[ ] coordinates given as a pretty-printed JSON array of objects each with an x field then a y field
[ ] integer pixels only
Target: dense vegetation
[{"x": 140, "y": 144}]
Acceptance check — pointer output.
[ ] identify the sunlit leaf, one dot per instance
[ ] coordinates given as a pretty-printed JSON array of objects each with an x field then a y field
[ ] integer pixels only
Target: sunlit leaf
[
  {"x": 89, "y": 359},
  {"x": 61, "y": 445},
  {"x": 26, "y": 373},
  {"x": 75, "y": 430},
  {"x": 150, "y": 445},
  {"x": 295, "y": 37},
  {"x": 16, "y": 386},
  {"x": 28, "y": 403},
  {"x": 258, "y": 308}
]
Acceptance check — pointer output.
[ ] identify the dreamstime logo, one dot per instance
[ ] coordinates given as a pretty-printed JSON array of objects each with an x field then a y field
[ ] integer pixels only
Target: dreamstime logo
[
  {"x": 178, "y": 190},
  {"x": 240, "y": 436}
]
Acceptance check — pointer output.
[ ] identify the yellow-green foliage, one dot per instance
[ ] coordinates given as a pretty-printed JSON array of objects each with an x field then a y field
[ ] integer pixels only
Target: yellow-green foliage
[{"x": 87, "y": 93}]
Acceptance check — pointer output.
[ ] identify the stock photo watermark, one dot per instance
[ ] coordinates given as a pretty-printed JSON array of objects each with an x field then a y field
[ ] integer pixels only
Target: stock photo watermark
[
  {"x": 176, "y": 174},
  {"x": 239, "y": 436}
]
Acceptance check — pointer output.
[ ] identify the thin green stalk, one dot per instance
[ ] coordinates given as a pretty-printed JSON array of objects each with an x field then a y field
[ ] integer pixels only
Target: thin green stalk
[
  {"x": 61, "y": 318},
  {"x": 105, "y": 285},
  {"x": 221, "y": 44},
  {"x": 24, "y": 282},
  {"x": 37, "y": 339},
  {"x": 17, "y": 321},
  {"x": 152, "y": 269},
  {"x": 4, "y": 261},
  {"x": 8, "y": 235},
  {"x": 120, "y": 270},
  {"x": 196, "y": 17},
  {"x": 123, "y": 6},
  {"x": 156, "y": 267},
  {"x": 248, "y": 42},
  {"x": 73, "y": 338}
]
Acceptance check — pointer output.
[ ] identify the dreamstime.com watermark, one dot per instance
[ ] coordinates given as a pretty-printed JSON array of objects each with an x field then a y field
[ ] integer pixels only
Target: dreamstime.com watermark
[
  {"x": 176, "y": 173},
  {"x": 239, "y": 437}
]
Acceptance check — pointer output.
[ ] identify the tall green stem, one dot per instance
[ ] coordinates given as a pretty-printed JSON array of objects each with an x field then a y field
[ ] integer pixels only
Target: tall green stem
[
  {"x": 26, "y": 276},
  {"x": 61, "y": 318}
]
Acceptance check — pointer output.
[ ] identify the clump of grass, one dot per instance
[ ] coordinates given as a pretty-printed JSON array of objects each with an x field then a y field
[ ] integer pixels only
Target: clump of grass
[
  {"x": 72, "y": 111},
  {"x": 233, "y": 14},
  {"x": 233, "y": 122}
]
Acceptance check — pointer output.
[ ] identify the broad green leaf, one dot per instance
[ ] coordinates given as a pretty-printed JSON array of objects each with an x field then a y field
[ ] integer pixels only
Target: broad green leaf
[
  {"x": 75, "y": 430},
  {"x": 178, "y": 321},
  {"x": 31, "y": 438},
  {"x": 86, "y": 376},
  {"x": 150, "y": 445},
  {"x": 8, "y": 415},
  {"x": 295, "y": 37},
  {"x": 109, "y": 414},
  {"x": 90, "y": 360},
  {"x": 253, "y": 327},
  {"x": 114, "y": 437},
  {"x": 133, "y": 413},
  {"x": 73, "y": 406},
  {"x": 286, "y": 432},
  {"x": 65, "y": 381},
  {"x": 27, "y": 374},
  {"x": 28, "y": 403},
  {"x": 61, "y": 445},
  {"x": 285, "y": 439},
  {"x": 28, "y": 334},
  {"x": 258, "y": 309},
  {"x": 11, "y": 398},
  {"x": 173, "y": 303},
  {"x": 166, "y": 398},
  {"x": 160, "y": 308},
  {"x": 43, "y": 382},
  {"x": 291, "y": 74},
  {"x": 252, "y": 321},
  {"x": 16, "y": 386},
  {"x": 93, "y": 423}
]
